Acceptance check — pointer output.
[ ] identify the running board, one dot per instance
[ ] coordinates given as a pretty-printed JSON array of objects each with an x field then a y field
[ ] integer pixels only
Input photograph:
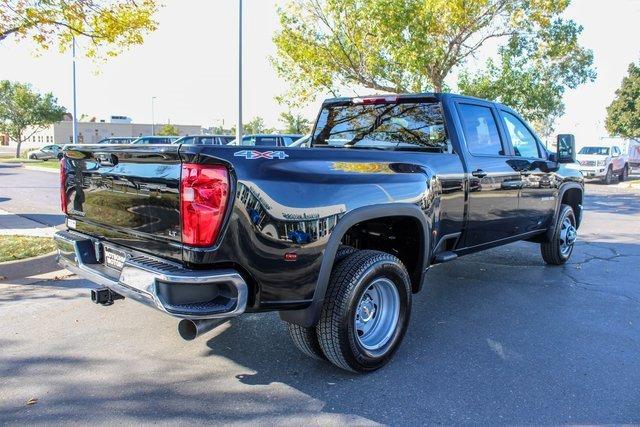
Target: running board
[{"x": 445, "y": 256}]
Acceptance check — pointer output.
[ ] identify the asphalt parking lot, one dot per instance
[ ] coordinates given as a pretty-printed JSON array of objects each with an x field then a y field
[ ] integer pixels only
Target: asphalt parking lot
[{"x": 495, "y": 337}]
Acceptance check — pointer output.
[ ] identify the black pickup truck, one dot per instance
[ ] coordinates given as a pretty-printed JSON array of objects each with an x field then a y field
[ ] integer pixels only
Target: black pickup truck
[{"x": 336, "y": 237}]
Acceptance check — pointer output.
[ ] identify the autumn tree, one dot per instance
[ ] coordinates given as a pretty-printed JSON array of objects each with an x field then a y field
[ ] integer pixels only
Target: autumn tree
[
  {"x": 24, "y": 112},
  {"x": 168, "y": 130},
  {"x": 623, "y": 115},
  {"x": 295, "y": 123},
  {"x": 326, "y": 46},
  {"x": 108, "y": 26}
]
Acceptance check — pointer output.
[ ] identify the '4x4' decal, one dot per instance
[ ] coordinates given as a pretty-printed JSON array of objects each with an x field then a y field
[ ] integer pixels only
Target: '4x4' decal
[{"x": 253, "y": 154}]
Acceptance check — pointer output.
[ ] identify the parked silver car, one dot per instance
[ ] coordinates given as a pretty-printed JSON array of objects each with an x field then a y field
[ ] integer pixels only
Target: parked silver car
[{"x": 47, "y": 152}]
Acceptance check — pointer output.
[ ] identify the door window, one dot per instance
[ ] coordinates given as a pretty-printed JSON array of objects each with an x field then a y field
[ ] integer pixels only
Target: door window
[
  {"x": 523, "y": 141},
  {"x": 480, "y": 130}
]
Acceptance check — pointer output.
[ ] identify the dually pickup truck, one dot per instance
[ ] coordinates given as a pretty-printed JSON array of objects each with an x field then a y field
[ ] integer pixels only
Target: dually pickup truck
[{"x": 335, "y": 237}]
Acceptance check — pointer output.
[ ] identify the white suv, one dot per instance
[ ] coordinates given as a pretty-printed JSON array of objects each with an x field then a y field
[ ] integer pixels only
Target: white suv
[{"x": 603, "y": 162}]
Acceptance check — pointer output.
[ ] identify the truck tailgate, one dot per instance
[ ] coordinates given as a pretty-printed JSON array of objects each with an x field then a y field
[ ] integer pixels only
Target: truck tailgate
[{"x": 127, "y": 194}]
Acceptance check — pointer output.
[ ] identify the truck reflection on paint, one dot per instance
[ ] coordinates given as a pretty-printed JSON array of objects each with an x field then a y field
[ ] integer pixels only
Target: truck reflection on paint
[{"x": 298, "y": 225}]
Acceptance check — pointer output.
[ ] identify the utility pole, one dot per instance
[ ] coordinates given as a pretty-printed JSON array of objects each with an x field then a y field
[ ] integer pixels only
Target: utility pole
[
  {"x": 239, "y": 125},
  {"x": 153, "y": 119},
  {"x": 75, "y": 110}
]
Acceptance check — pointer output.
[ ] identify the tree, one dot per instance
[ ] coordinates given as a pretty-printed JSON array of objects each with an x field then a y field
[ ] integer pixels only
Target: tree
[
  {"x": 623, "y": 115},
  {"x": 168, "y": 130},
  {"x": 108, "y": 26},
  {"x": 256, "y": 125},
  {"x": 414, "y": 46},
  {"x": 24, "y": 112},
  {"x": 295, "y": 123}
]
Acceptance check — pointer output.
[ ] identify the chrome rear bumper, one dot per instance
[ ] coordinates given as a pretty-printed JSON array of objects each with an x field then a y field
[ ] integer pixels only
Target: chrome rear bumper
[{"x": 183, "y": 293}]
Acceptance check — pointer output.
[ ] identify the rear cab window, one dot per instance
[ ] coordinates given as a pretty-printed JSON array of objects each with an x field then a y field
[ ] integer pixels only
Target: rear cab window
[
  {"x": 403, "y": 125},
  {"x": 480, "y": 130}
]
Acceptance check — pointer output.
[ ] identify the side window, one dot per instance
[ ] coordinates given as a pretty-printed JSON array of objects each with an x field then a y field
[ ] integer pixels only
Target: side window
[
  {"x": 480, "y": 130},
  {"x": 523, "y": 141}
]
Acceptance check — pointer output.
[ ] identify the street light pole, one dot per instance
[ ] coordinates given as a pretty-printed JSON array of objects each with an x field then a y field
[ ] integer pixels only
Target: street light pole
[
  {"x": 153, "y": 120},
  {"x": 75, "y": 110},
  {"x": 239, "y": 125}
]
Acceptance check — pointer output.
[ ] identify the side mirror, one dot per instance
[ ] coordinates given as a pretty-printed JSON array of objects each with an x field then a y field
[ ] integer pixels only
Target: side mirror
[{"x": 566, "y": 148}]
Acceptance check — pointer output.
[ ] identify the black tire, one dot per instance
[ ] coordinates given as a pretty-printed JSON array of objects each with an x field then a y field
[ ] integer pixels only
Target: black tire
[
  {"x": 608, "y": 178},
  {"x": 343, "y": 252},
  {"x": 306, "y": 340},
  {"x": 624, "y": 175},
  {"x": 357, "y": 274},
  {"x": 552, "y": 251}
]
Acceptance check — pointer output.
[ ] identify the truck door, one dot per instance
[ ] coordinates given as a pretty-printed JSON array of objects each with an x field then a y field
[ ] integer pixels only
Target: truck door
[
  {"x": 539, "y": 187},
  {"x": 494, "y": 184}
]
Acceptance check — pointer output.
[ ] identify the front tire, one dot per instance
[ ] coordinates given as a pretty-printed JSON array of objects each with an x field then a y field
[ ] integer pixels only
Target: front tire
[
  {"x": 366, "y": 311},
  {"x": 558, "y": 250},
  {"x": 608, "y": 178}
]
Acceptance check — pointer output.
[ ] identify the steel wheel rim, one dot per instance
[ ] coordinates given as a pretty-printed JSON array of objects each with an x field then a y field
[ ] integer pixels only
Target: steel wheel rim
[
  {"x": 568, "y": 236},
  {"x": 377, "y": 313}
]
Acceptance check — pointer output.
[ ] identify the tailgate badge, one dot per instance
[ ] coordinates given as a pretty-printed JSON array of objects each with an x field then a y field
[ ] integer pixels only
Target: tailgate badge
[{"x": 254, "y": 154}]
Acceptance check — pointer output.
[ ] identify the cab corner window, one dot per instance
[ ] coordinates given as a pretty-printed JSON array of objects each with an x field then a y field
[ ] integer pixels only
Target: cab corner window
[
  {"x": 480, "y": 130},
  {"x": 523, "y": 141}
]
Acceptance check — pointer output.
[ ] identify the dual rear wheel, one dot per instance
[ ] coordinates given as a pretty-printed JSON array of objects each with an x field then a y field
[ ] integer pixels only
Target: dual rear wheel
[{"x": 365, "y": 314}]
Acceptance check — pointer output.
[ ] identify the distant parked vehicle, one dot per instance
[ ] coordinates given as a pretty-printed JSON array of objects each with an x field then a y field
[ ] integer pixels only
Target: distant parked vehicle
[
  {"x": 302, "y": 142},
  {"x": 205, "y": 139},
  {"x": 117, "y": 140},
  {"x": 603, "y": 162},
  {"x": 267, "y": 140},
  {"x": 47, "y": 152},
  {"x": 634, "y": 156},
  {"x": 156, "y": 140}
]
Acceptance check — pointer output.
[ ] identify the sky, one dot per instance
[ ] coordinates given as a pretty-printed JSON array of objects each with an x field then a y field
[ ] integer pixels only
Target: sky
[{"x": 190, "y": 65}]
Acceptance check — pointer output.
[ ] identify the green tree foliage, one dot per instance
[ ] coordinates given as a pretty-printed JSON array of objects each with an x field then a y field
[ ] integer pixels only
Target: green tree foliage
[
  {"x": 24, "y": 112},
  {"x": 295, "y": 123},
  {"x": 533, "y": 71},
  {"x": 168, "y": 130},
  {"x": 256, "y": 125},
  {"x": 109, "y": 26},
  {"x": 623, "y": 115},
  {"x": 414, "y": 45}
]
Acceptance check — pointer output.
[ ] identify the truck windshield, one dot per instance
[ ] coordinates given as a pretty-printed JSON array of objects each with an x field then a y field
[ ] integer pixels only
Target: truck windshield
[
  {"x": 601, "y": 151},
  {"x": 403, "y": 125}
]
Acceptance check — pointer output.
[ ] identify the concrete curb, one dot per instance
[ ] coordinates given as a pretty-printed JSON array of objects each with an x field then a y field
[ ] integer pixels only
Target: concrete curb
[{"x": 24, "y": 268}]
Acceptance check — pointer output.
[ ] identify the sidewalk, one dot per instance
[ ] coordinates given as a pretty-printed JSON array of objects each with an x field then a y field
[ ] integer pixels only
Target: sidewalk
[{"x": 16, "y": 225}]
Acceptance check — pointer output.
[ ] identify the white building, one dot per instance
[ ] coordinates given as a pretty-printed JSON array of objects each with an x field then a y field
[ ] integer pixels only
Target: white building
[{"x": 93, "y": 131}]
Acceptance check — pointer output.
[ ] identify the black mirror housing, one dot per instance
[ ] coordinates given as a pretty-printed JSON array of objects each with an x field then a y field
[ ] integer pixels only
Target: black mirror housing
[{"x": 566, "y": 148}]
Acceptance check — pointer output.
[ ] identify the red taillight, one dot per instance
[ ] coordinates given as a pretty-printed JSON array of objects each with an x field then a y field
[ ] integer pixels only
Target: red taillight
[
  {"x": 204, "y": 192},
  {"x": 63, "y": 186}
]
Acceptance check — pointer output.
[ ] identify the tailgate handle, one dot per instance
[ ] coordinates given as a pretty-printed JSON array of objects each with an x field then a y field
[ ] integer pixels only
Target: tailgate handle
[{"x": 106, "y": 159}]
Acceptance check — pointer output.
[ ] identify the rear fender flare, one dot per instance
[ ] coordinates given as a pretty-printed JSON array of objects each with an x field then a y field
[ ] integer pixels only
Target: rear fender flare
[{"x": 309, "y": 316}]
